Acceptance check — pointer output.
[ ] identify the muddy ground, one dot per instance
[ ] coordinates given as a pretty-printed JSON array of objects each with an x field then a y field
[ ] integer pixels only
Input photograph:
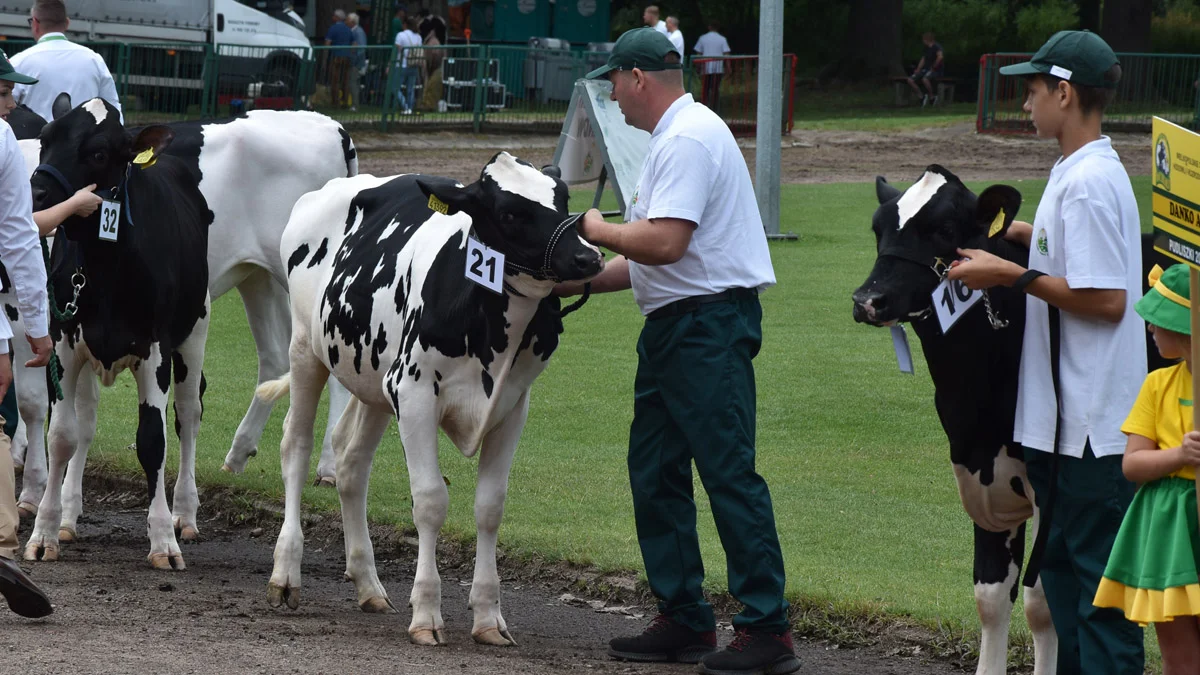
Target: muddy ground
[
  {"x": 807, "y": 156},
  {"x": 115, "y": 615}
]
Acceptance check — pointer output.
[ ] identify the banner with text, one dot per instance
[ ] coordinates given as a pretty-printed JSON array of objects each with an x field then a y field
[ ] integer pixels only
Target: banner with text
[{"x": 1176, "y": 200}]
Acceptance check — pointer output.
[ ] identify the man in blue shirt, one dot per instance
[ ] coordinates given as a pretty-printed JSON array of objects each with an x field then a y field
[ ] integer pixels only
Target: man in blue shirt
[{"x": 339, "y": 35}]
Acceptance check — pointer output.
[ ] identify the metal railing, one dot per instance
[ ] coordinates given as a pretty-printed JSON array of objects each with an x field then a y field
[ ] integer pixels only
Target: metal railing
[
  {"x": 1163, "y": 85},
  {"x": 493, "y": 87}
]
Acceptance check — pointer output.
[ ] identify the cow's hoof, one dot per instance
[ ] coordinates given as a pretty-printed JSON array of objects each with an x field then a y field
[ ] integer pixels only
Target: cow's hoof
[
  {"x": 228, "y": 469},
  {"x": 378, "y": 605},
  {"x": 26, "y": 510},
  {"x": 66, "y": 535},
  {"x": 18, "y": 469},
  {"x": 277, "y": 595},
  {"x": 167, "y": 561},
  {"x": 495, "y": 637},
  {"x": 325, "y": 481},
  {"x": 426, "y": 637},
  {"x": 188, "y": 534},
  {"x": 45, "y": 552}
]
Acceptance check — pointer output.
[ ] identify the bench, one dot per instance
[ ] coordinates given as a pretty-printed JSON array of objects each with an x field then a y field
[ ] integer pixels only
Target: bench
[{"x": 944, "y": 87}]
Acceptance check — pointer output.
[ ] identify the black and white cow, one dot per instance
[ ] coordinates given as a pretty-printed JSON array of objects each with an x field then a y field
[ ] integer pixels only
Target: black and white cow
[
  {"x": 251, "y": 170},
  {"x": 142, "y": 303},
  {"x": 974, "y": 371},
  {"x": 24, "y": 122},
  {"x": 380, "y": 300}
]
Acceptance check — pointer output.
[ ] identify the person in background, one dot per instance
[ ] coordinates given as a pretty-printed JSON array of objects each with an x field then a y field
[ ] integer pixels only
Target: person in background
[
  {"x": 406, "y": 65},
  {"x": 650, "y": 19},
  {"x": 931, "y": 66},
  {"x": 712, "y": 45},
  {"x": 59, "y": 65},
  {"x": 675, "y": 35},
  {"x": 358, "y": 58},
  {"x": 339, "y": 35},
  {"x": 21, "y": 253},
  {"x": 398, "y": 20}
]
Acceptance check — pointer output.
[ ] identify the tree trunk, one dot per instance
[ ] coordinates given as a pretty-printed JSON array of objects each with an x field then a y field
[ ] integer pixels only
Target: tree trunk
[
  {"x": 1126, "y": 25},
  {"x": 872, "y": 40}
]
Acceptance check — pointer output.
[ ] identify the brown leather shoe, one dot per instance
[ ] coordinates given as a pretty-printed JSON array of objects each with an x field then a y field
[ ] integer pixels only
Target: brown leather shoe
[{"x": 23, "y": 596}]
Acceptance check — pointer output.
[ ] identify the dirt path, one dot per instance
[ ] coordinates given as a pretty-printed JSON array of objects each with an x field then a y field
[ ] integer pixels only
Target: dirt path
[
  {"x": 114, "y": 614},
  {"x": 807, "y": 156}
]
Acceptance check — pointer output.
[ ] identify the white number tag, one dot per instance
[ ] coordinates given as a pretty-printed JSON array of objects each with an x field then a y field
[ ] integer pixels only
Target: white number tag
[
  {"x": 952, "y": 299},
  {"x": 485, "y": 266},
  {"x": 110, "y": 220}
]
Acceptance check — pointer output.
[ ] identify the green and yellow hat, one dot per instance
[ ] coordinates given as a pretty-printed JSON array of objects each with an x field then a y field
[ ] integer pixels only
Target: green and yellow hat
[{"x": 1166, "y": 304}]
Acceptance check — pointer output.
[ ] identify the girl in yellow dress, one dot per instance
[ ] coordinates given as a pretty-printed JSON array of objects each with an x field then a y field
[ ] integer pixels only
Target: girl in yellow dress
[{"x": 1152, "y": 571}]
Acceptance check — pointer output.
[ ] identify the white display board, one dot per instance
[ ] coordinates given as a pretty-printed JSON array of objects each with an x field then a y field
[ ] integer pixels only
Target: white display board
[{"x": 595, "y": 139}]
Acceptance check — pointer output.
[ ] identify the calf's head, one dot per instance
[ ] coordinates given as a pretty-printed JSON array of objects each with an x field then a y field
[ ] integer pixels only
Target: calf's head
[
  {"x": 89, "y": 145},
  {"x": 522, "y": 212},
  {"x": 918, "y": 233}
]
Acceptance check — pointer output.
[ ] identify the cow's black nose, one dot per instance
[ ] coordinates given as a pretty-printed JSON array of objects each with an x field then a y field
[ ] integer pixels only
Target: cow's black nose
[
  {"x": 868, "y": 306},
  {"x": 587, "y": 262}
]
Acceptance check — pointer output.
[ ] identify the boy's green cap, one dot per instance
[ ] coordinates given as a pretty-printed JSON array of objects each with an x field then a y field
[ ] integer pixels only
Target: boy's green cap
[
  {"x": 643, "y": 48},
  {"x": 8, "y": 73},
  {"x": 1167, "y": 304},
  {"x": 1077, "y": 56}
]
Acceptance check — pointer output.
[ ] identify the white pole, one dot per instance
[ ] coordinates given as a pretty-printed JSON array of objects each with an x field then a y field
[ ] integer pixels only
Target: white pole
[{"x": 770, "y": 113}]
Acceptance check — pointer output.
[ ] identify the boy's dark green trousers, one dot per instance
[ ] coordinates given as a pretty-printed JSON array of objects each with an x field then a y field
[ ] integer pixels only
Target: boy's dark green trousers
[
  {"x": 694, "y": 401},
  {"x": 1092, "y": 498}
]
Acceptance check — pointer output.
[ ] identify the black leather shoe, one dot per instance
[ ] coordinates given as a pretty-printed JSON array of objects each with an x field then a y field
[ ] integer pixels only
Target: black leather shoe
[
  {"x": 754, "y": 653},
  {"x": 664, "y": 640},
  {"x": 23, "y": 596}
]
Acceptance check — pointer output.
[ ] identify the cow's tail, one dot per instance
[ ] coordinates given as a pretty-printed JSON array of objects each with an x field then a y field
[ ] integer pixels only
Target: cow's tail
[
  {"x": 272, "y": 391},
  {"x": 349, "y": 152}
]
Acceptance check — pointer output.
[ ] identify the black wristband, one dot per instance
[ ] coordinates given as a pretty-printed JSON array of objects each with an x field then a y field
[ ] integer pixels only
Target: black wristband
[{"x": 1026, "y": 278}]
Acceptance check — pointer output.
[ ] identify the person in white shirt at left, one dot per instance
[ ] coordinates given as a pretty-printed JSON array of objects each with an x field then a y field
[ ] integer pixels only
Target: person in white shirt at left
[
  {"x": 675, "y": 35},
  {"x": 21, "y": 253},
  {"x": 59, "y": 65}
]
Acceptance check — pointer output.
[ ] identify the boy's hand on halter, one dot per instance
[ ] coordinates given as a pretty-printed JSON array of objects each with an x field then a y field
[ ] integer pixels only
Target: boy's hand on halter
[{"x": 1191, "y": 448}]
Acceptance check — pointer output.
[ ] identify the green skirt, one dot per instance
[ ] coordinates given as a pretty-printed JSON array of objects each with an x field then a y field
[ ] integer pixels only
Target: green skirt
[{"x": 1152, "y": 573}]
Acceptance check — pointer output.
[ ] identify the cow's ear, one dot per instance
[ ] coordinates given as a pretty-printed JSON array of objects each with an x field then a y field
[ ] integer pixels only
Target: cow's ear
[
  {"x": 61, "y": 106},
  {"x": 884, "y": 191},
  {"x": 150, "y": 143},
  {"x": 995, "y": 209},
  {"x": 447, "y": 197},
  {"x": 552, "y": 171}
]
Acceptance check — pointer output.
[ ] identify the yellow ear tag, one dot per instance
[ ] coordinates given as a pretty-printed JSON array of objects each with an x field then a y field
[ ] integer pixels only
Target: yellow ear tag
[
  {"x": 997, "y": 225},
  {"x": 438, "y": 205},
  {"x": 145, "y": 159}
]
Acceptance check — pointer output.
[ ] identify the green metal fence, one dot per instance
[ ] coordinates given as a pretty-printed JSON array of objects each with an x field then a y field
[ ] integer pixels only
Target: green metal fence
[
  {"x": 1162, "y": 85},
  {"x": 481, "y": 87}
]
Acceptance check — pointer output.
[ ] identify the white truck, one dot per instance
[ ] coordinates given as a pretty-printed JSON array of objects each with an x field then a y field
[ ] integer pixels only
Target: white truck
[{"x": 259, "y": 44}]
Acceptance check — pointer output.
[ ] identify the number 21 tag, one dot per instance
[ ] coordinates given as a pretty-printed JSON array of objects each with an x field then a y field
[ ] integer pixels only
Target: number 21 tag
[
  {"x": 110, "y": 220},
  {"x": 952, "y": 299},
  {"x": 485, "y": 266}
]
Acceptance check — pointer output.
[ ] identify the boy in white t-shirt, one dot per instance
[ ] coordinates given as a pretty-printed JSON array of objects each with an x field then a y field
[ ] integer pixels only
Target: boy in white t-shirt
[{"x": 1085, "y": 262}]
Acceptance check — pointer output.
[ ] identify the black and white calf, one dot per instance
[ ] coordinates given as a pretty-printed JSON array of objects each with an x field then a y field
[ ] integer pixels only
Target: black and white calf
[
  {"x": 974, "y": 370},
  {"x": 251, "y": 170},
  {"x": 381, "y": 301},
  {"x": 141, "y": 293}
]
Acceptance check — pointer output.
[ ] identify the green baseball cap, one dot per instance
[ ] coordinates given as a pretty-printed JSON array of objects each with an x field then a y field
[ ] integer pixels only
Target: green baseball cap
[
  {"x": 1167, "y": 304},
  {"x": 1077, "y": 56},
  {"x": 643, "y": 48},
  {"x": 8, "y": 73}
]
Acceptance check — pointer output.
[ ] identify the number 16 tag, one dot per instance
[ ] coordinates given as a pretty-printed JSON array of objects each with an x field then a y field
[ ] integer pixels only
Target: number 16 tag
[
  {"x": 952, "y": 299},
  {"x": 485, "y": 266},
  {"x": 110, "y": 220}
]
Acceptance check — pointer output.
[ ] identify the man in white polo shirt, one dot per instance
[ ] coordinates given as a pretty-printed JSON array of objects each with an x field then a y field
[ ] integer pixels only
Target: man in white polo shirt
[
  {"x": 694, "y": 252},
  {"x": 60, "y": 65}
]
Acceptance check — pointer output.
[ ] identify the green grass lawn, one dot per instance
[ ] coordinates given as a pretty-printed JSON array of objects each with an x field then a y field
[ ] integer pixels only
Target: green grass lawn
[
  {"x": 867, "y": 509},
  {"x": 871, "y": 109}
]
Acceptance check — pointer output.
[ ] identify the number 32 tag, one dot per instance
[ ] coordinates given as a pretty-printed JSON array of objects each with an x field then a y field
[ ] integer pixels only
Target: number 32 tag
[
  {"x": 110, "y": 220},
  {"x": 485, "y": 266},
  {"x": 952, "y": 299}
]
